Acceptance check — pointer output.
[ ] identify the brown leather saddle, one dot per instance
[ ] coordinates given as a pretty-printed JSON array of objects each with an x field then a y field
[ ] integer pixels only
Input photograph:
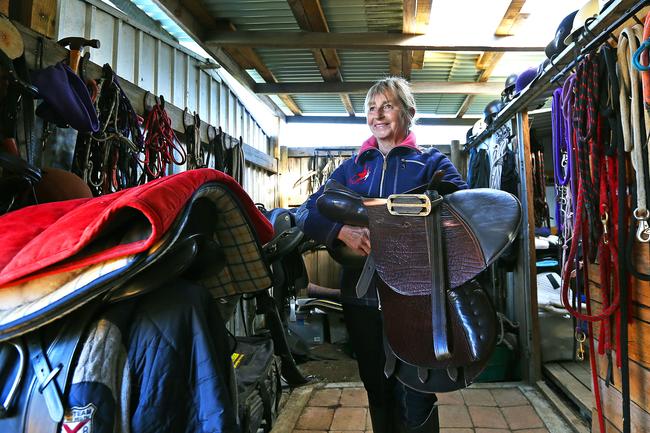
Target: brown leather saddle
[{"x": 439, "y": 324}]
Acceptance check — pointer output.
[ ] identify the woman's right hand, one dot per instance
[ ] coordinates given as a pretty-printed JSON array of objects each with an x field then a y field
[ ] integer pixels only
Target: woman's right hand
[{"x": 357, "y": 238}]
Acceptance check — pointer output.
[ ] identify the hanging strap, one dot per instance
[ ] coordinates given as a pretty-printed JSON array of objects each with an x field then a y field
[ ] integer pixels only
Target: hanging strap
[{"x": 630, "y": 94}]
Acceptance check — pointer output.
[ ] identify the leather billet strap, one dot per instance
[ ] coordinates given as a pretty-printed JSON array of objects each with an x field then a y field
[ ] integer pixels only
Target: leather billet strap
[
  {"x": 367, "y": 273},
  {"x": 52, "y": 370},
  {"x": 439, "y": 285}
]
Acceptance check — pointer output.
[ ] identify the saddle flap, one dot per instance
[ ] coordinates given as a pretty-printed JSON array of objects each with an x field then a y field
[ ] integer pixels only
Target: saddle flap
[{"x": 472, "y": 240}]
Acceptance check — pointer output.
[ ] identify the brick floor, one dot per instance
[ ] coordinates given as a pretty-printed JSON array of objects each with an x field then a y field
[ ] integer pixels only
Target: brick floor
[
  {"x": 522, "y": 417},
  {"x": 509, "y": 397},
  {"x": 478, "y": 397},
  {"x": 488, "y": 417},
  {"x": 325, "y": 397},
  {"x": 474, "y": 410},
  {"x": 349, "y": 418}
]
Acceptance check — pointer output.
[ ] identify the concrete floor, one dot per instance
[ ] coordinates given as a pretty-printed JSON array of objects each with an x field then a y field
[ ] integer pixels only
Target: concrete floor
[{"x": 335, "y": 401}]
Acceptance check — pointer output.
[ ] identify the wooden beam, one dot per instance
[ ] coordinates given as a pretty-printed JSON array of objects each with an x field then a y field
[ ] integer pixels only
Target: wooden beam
[
  {"x": 400, "y": 63},
  {"x": 467, "y": 102},
  {"x": 369, "y": 41},
  {"x": 422, "y": 16},
  {"x": 291, "y": 104},
  {"x": 310, "y": 17},
  {"x": 361, "y": 120},
  {"x": 444, "y": 87},
  {"x": 347, "y": 103},
  {"x": 38, "y": 15},
  {"x": 488, "y": 60},
  {"x": 194, "y": 19},
  {"x": 510, "y": 18}
]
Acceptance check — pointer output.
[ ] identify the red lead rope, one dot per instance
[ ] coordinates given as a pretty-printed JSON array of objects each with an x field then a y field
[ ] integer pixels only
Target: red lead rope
[{"x": 161, "y": 146}]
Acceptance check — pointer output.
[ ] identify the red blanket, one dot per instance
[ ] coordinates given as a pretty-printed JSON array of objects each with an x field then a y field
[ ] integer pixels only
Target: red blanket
[{"x": 35, "y": 239}]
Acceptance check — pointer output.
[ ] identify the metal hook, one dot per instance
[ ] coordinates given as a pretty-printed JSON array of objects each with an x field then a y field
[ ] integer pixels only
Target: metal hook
[{"x": 552, "y": 62}]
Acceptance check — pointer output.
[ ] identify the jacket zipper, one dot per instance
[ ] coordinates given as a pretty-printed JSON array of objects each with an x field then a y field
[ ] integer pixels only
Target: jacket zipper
[{"x": 381, "y": 181}]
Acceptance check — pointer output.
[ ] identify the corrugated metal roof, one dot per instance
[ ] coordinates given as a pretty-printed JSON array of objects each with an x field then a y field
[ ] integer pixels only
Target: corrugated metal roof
[
  {"x": 364, "y": 66},
  {"x": 447, "y": 66},
  {"x": 269, "y": 15},
  {"x": 291, "y": 65},
  {"x": 319, "y": 104},
  {"x": 298, "y": 65}
]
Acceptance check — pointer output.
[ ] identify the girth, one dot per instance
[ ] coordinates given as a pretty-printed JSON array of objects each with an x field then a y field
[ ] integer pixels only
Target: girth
[{"x": 34, "y": 402}]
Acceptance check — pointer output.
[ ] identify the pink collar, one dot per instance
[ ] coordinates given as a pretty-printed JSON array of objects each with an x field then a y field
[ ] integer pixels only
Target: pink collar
[{"x": 371, "y": 143}]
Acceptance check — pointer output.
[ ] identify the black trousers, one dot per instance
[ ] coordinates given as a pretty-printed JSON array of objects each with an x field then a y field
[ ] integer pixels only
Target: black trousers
[{"x": 364, "y": 325}]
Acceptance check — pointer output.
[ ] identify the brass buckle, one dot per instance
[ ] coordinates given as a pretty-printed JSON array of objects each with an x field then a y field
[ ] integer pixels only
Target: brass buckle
[{"x": 409, "y": 204}]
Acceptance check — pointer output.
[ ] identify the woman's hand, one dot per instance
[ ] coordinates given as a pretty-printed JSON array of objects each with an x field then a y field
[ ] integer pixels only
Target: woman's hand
[{"x": 357, "y": 238}]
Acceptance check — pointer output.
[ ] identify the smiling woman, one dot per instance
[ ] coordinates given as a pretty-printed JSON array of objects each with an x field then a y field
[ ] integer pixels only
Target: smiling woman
[{"x": 388, "y": 162}]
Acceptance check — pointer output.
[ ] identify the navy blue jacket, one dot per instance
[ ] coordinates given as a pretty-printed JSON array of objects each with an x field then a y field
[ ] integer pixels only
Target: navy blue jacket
[
  {"x": 372, "y": 174},
  {"x": 177, "y": 356}
]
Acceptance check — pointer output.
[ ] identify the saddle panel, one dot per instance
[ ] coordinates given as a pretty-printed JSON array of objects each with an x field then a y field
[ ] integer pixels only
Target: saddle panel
[
  {"x": 471, "y": 325},
  {"x": 399, "y": 245}
]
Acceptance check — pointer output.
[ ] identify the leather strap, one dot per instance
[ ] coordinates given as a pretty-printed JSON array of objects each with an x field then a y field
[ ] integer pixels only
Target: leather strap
[
  {"x": 630, "y": 98},
  {"x": 367, "y": 272},
  {"x": 45, "y": 378},
  {"x": 52, "y": 372},
  {"x": 438, "y": 278}
]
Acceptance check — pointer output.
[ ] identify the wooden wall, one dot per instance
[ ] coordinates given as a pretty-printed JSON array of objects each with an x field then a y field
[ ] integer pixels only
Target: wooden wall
[
  {"x": 638, "y": 350},
  {"x": 321, "y": 268}
]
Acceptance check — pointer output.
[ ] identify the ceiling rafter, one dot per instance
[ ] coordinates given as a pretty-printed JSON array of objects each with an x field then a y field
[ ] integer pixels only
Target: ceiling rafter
[
  {"x": 422, "y": 16},
  {"x": 488, "y": 60},
  {"x": 310, "y": 17},
  {"x": 370, "y": 41},
  {"x": 357, "y": 87},
  {"x": 195, "y": 19}
]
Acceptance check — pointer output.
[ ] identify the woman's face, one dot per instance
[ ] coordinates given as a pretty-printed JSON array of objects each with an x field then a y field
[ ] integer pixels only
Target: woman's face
[{"x": 385, "y": 119}]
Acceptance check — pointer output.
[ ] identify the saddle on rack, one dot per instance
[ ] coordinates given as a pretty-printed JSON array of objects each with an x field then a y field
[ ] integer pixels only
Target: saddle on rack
[
  {"x": 439, "y": 324},
  {"x": 78, "y": 256}
]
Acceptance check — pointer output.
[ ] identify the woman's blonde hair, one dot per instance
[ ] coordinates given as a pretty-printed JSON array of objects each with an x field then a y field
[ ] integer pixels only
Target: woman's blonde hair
[{"x": 399, "y": 87}]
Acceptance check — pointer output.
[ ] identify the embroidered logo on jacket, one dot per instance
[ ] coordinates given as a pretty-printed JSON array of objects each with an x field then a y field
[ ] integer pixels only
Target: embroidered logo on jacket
[
  {"x": 362, "y": 176},
  {"x": 79, "y": 419}
]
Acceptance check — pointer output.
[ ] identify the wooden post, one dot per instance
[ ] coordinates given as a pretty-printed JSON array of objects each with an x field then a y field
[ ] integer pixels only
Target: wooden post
[
  {"x": 458, "y": 158},
  {"x": 526, "y": 273},
  {"x": 4, "y": 7},
  {"x": 39, "y": 15},
  {"x": 283, "y": 172}
]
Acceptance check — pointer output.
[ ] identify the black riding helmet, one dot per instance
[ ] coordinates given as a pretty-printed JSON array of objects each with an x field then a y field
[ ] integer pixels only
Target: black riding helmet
[
  {"x": 492, "y": 109},
  {"x": 509, "y": 88}
]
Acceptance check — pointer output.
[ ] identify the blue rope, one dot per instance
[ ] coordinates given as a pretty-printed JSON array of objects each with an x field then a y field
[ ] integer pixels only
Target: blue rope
[{"x": 636, "y": 59}]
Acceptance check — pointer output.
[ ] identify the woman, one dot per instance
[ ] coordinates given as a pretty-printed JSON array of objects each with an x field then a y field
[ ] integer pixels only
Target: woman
[{"x": 388, "y": 162}]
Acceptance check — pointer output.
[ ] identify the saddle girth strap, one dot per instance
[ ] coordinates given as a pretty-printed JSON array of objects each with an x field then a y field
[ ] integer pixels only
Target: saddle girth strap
[
  {"x": 53, "y": 370},
  {"x": 433, "y": 224}
]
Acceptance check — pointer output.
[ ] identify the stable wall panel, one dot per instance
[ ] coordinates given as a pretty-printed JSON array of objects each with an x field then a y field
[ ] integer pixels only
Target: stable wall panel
[
  {"x": 125, "y": 67},
  {"x": 102, "y": 28},
  {"x": 165, "y": 70}
]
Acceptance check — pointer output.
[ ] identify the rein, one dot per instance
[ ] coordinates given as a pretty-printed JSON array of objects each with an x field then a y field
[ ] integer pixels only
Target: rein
[{"x": 161, "y": 146}]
